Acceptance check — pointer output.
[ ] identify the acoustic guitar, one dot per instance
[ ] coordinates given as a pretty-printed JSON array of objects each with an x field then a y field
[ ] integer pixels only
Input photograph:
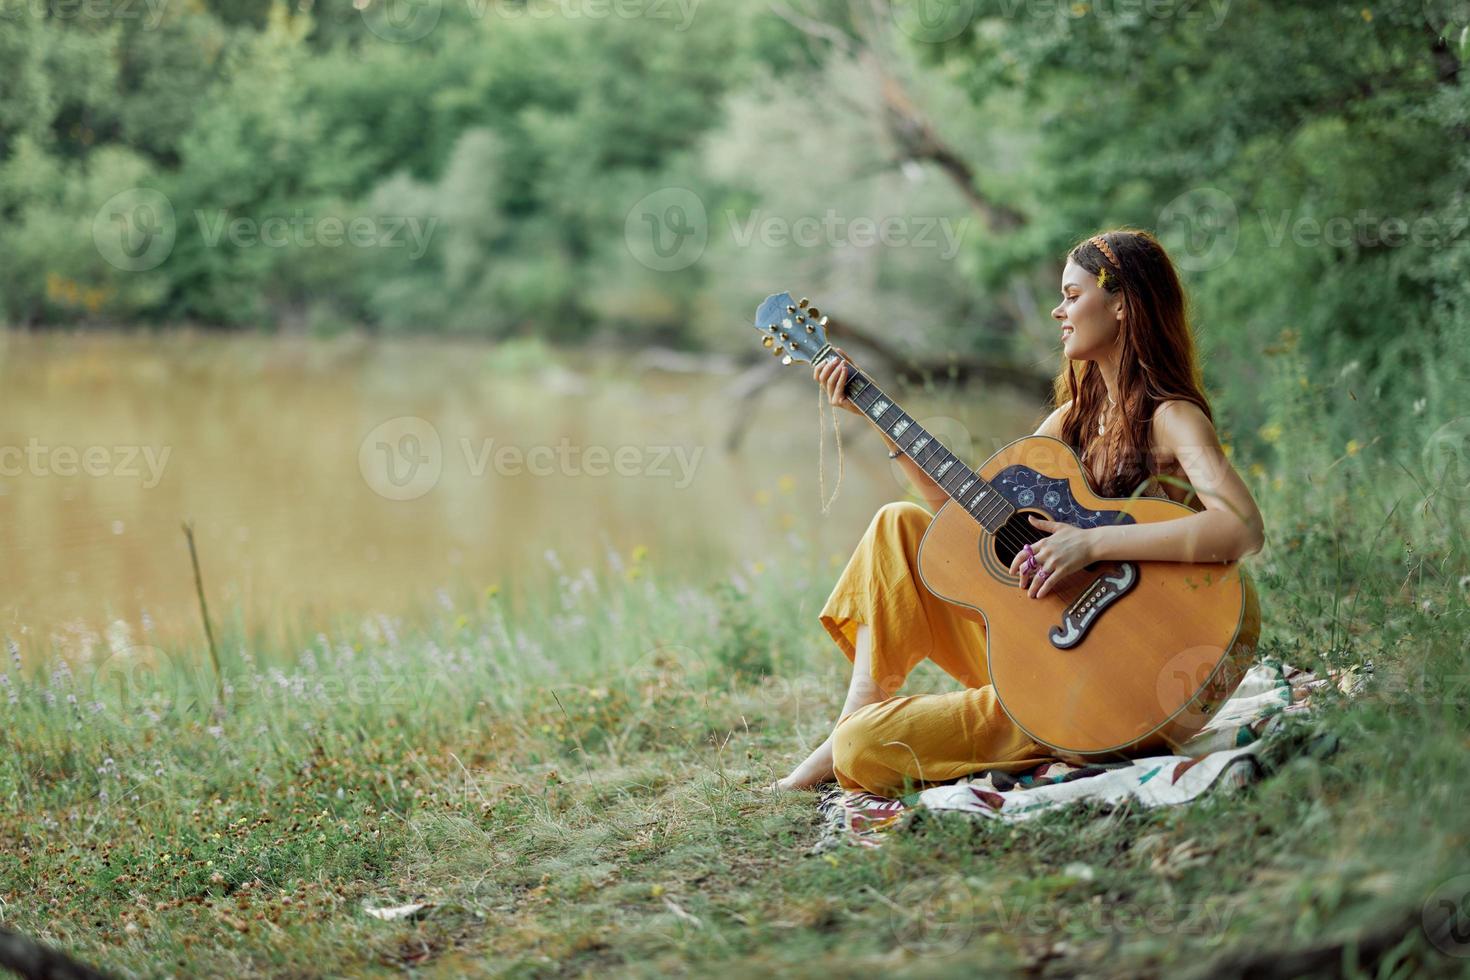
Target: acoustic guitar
[{"x": 1122, "y": 657}]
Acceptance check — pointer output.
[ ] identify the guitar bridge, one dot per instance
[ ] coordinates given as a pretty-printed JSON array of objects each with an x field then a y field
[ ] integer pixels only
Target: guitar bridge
[{"x": 1083, "y": 612}]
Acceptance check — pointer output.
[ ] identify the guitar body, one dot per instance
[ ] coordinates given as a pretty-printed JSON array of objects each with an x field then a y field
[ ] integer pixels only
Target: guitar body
[{"x": 1120, "y": 658}]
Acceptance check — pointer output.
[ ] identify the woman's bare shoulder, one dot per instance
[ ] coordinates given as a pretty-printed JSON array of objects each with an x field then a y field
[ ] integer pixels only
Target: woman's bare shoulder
[{"x": 1052, "y": 425}]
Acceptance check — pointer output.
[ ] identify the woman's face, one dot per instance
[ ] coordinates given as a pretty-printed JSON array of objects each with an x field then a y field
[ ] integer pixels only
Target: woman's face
[{"x": 1089, "y": 315}]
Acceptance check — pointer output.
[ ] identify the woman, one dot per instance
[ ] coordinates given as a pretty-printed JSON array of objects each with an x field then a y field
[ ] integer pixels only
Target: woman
[{"x": 1136, "y": 414}]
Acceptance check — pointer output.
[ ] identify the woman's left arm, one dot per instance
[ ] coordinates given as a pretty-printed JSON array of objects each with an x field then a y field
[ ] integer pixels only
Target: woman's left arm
[{"x": 1229, "y": 527}]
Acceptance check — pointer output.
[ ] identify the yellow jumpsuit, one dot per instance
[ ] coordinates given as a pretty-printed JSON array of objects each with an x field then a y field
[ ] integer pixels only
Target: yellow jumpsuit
[{"x": 908, "y": 741}]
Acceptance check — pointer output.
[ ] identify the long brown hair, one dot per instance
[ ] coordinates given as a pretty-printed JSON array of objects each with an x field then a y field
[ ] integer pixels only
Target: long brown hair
[{"x": 1157, "y": 361}]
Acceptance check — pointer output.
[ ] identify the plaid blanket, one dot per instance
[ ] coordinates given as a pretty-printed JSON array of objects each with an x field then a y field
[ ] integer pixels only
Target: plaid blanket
[{"x": 1253, "y": 731}]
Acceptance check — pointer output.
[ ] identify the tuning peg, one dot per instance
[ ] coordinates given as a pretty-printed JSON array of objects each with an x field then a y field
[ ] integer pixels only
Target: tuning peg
[
  {"x": 801, "y": 319},
  {"x": 803, "y": 302},
  {"x": 790, "y": 309},
  {"x": 823, "y": 321},
  {"x": 813, "y": 312},
  {"x": 779, "y": 350},
  {"x": 767, "y": 341},
  {"x": 810, "y": 328},
  {"x": 786, "y": 359}
]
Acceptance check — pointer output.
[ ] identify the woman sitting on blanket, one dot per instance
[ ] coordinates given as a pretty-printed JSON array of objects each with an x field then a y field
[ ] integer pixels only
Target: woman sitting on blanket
[{"x": 1130, "y": 379}]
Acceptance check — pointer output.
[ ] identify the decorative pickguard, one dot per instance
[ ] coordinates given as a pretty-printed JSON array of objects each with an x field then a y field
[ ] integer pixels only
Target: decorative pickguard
[{"x": 1024, "y": 487}]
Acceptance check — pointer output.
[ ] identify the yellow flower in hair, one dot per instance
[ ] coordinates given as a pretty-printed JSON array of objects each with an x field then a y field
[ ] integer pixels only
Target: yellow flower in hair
[{"x": 1102, "y": 278}]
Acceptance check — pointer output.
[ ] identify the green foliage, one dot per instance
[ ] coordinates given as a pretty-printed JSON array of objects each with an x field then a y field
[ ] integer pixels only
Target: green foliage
[{"x": 743, "y": 645}]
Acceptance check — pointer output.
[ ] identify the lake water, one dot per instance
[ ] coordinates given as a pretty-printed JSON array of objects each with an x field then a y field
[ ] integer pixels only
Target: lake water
[{"x": 332, "y": 478}]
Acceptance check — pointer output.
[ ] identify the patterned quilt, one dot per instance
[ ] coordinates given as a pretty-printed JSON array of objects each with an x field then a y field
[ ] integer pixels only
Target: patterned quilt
[{"x": 1253, "y": 731}]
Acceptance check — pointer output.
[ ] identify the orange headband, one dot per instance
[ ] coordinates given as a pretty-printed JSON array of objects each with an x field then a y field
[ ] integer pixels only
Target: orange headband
[{"x": 1105, "y": 249}]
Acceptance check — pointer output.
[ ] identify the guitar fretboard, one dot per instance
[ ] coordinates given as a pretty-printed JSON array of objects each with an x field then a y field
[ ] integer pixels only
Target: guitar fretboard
[{"x": 964, "y": 486}]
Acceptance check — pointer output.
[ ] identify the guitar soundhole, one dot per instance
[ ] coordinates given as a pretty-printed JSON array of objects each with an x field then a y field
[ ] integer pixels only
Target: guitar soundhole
[{"x": 1016, "y": 532}]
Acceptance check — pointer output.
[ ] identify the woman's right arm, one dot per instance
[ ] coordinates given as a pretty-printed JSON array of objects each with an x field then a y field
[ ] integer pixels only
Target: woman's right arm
[{"x": 832, "y": 376}]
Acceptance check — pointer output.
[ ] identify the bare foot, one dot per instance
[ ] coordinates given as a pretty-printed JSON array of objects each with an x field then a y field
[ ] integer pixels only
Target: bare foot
[{"x": 815, "y": 770}]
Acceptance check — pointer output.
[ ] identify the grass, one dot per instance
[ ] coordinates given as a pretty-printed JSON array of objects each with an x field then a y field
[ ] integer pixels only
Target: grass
[{"x": 573, "y": 781}]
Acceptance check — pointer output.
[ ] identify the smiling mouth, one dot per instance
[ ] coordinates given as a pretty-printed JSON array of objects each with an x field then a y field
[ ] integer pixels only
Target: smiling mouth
[{"x": 1067, "y": 331}]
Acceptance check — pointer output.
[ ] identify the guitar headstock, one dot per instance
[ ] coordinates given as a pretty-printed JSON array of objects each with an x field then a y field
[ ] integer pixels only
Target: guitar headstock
[{"x": 794, "y": 330}]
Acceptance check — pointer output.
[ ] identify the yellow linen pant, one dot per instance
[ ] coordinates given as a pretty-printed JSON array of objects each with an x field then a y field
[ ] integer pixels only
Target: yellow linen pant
[{"x": 903, "y": 742}]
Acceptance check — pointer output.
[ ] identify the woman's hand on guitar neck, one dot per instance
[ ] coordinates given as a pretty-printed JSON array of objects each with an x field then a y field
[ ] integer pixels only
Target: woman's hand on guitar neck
[{"x": 832, "y": 374}]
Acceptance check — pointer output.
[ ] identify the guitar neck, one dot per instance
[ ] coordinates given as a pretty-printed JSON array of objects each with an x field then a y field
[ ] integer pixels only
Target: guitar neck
[{"x": 963, "y": 485}]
